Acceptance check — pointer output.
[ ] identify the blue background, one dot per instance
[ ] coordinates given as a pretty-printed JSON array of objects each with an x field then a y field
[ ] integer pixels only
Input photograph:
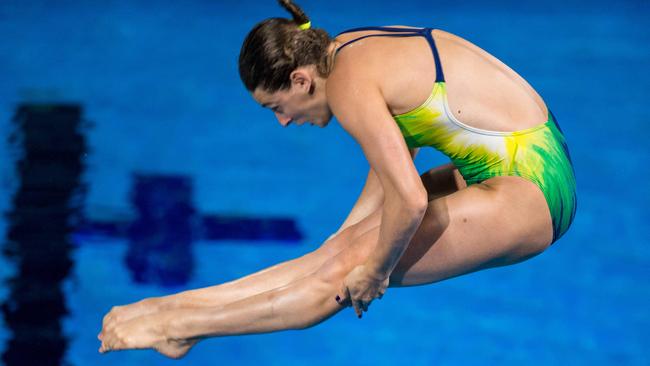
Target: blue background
[{"x": 160, "y": 82}]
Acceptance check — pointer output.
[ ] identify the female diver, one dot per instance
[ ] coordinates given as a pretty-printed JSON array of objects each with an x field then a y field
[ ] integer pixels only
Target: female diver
[{"x": 508, "y": 193}]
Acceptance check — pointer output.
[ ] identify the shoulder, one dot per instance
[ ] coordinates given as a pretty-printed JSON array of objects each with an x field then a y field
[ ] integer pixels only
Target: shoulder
[
  {"x": 355, "y": 77},
  {"x": 359, "y": 74},
  {"x": 355, "y": 62}
]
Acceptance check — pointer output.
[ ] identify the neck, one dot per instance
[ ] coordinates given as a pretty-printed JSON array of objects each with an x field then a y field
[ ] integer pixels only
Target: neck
[{"x": 331, "y": 55}]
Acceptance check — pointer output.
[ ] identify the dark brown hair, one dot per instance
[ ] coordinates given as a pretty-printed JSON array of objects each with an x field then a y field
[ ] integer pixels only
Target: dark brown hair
[{"x": 277, "y": 46}]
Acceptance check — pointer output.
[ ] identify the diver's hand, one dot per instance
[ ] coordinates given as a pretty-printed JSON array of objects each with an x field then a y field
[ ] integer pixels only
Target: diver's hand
[{"x": 360, "y": 287}]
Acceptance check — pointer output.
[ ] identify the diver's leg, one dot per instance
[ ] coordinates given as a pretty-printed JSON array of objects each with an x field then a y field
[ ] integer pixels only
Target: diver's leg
[
  {"x": 439, "y": 181},
  {"x": 501, "y": 221},
  {"x": 272, "y": 277}
]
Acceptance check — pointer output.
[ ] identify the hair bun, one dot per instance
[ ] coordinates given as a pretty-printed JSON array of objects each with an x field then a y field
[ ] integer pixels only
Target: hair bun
[{"x": 297, "y": 14}]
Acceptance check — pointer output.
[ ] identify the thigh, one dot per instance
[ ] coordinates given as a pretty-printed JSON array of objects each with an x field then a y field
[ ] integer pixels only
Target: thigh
[
  {"x": 439, "y": 181},
  {"x": 501, "y": 221}
]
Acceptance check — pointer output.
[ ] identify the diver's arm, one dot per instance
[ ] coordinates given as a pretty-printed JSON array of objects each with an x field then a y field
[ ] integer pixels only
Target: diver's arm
[{"x": 362, "y": 111}]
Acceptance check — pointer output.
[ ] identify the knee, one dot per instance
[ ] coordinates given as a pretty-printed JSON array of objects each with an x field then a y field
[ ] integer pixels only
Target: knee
[
  {"x": 331, "y": 273},
  {"x": 352, "y": 232},
  {"x": 525, "y": 250},
  {"x": 531, "y": 243},
  {"x": 354, "y": 250},
  {"x": 334, "y": 270},
  {"x": 342, "y": 240},
  {"x": 534, "y": 249},
  {"x": 335, "y": 245}
]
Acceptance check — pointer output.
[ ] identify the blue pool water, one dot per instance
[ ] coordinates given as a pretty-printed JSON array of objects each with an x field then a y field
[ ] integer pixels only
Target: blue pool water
[{"x": 159, "y": 85}]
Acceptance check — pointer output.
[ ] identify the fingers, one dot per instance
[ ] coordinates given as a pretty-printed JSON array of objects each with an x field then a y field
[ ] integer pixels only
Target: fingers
[
  {"x": 356, "y": 304},
  {"x": 347, "y": 300},
  {"x": 360, "y": 306},
  {"x": 364, "y": 305},
  {"x": 339, "y": 300},
  {"x": 357, "y": 308},
  {"x": 343, "y": 297}
]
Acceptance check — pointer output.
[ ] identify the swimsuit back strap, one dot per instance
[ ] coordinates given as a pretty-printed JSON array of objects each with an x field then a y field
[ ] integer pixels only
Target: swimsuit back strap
[
  {"x": 440, "y": 77},
  {"x": 376, "y": 35},
  {"x": 401, "y": 32},
  {"x": 387, "y": 29}
]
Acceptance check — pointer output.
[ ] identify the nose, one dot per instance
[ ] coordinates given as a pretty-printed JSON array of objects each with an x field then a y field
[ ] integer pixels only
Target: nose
[{"x": 284, "y": 120}]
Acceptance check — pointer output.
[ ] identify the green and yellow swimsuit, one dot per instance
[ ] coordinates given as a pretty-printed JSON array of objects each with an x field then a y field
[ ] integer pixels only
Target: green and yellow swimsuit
[{"x": 539, "y": 154}]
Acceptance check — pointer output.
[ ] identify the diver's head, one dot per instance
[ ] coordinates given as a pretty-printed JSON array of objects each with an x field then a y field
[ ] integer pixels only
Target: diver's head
[{"x": 284, "y": 63}]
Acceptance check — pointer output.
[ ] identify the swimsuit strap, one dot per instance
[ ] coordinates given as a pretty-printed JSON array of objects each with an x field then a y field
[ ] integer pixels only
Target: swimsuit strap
[{"x": 401, "y": 32}]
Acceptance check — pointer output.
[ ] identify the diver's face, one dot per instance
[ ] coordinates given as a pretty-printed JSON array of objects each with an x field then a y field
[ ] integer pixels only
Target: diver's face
[{"x": 302, "y": 103}]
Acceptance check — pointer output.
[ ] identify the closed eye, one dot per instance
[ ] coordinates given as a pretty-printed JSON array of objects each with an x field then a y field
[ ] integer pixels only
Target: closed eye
[{"x": 275, "y": 109}]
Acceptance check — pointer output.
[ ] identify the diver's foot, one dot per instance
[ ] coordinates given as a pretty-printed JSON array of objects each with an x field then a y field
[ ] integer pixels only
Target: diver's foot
[{"x": 124, "y": 313}]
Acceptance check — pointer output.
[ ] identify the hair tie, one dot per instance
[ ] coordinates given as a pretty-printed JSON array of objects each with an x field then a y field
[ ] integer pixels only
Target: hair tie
[{"x": 305, "y": 26}]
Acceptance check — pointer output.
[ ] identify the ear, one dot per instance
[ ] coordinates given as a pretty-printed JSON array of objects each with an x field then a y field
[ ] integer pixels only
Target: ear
[{"x": 301, "y": 80}]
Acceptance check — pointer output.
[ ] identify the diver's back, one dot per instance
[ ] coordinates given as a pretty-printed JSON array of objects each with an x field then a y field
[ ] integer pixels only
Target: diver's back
[{"x": 482, "y": 91}]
